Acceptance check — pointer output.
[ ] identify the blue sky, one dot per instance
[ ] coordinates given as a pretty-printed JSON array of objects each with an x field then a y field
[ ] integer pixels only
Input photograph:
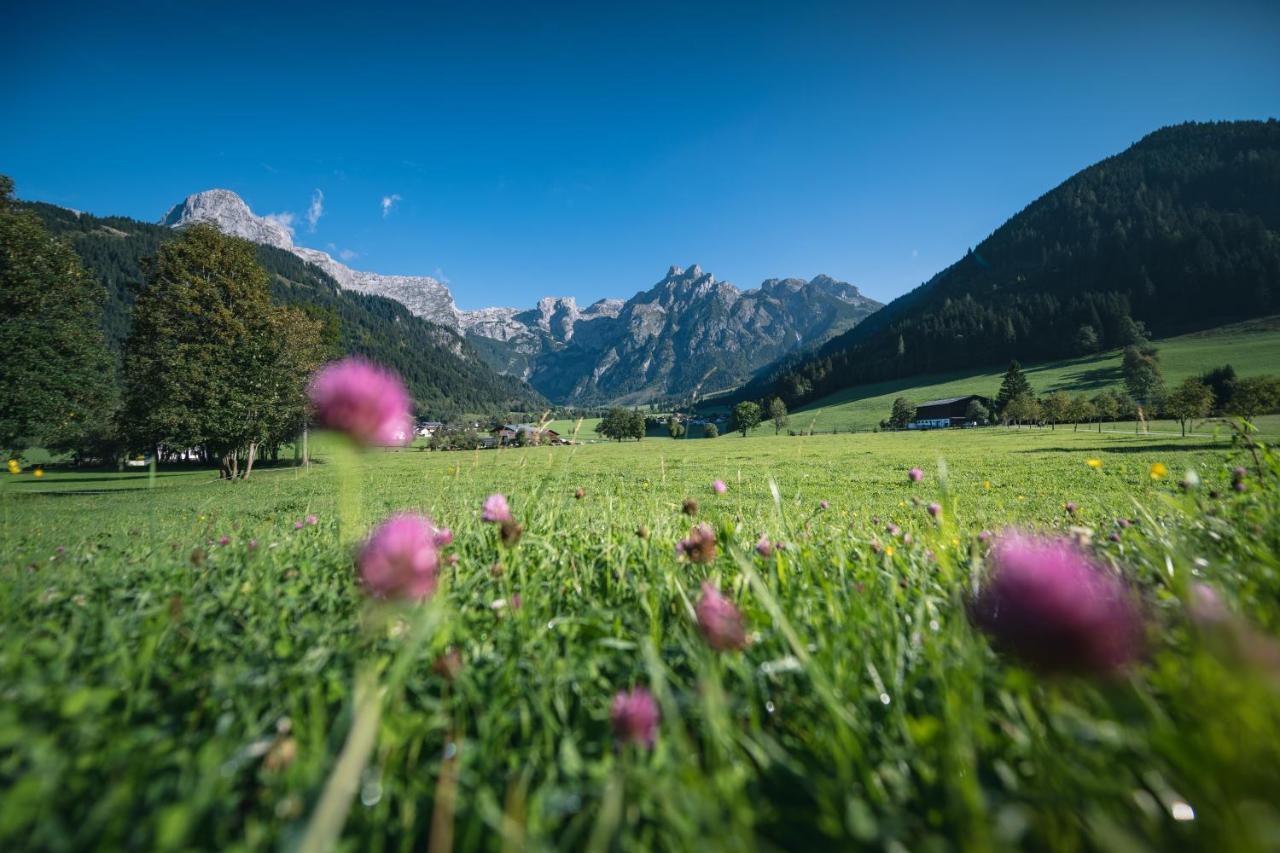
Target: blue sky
[{"x": 579, "y": 149}]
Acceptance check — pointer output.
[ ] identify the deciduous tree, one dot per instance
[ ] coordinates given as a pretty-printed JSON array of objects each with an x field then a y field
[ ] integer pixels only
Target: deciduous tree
[{"x": 746, "y": 416}]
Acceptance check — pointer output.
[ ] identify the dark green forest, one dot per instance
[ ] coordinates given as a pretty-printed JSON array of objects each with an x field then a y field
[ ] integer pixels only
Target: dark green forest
[
  {"x": 1178, "y": 233},
  {"x": 443, "y": 372}
]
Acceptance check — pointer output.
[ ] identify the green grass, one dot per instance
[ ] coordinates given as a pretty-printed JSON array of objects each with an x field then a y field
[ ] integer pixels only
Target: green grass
[
  {"x": 1251, "y": 348},
  {"x": 162, "y": 690}
]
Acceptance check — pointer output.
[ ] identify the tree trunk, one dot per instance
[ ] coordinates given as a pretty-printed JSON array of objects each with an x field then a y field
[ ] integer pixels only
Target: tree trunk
[
  {"x": 306, "y": 453},
  {"x": 248, "y": 468}
]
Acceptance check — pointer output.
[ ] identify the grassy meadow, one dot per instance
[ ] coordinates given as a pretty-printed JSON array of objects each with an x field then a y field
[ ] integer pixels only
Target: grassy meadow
[
  {"x": 1252, "y": 348},
  {"x": 178, "y": 655}
]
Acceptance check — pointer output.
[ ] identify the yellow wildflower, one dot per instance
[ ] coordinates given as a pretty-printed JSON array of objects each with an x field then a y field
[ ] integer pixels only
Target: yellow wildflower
[
  {"x": 1093, "y": 463},
  {"x": 14, "y": 467},
  {"x": 1158, "y": 471},
  {"x": 888, "y": 550},
  {"x": 986, "y": 484},
  {"x": 39, "y": 472}
]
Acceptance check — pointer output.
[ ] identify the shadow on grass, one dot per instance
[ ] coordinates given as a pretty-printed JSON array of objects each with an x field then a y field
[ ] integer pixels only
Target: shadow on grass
[
  {"x": 1092, "y": 379},
  {"x": 76, "y": 493},
  {"x": 1136, "y": 448}
]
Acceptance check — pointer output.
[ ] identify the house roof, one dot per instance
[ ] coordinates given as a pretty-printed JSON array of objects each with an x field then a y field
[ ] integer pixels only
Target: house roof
[{"x": 946, "y": 401}]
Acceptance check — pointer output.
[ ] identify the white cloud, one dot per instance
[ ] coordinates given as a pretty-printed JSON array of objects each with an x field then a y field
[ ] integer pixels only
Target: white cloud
[
  {"x": 388, "y": 202},
  {"x": 316, "y": 210},
  {"x": 284, "y": 220},
  {"x": 915, "y": 253},
  {"x": 348, "y": 255}
]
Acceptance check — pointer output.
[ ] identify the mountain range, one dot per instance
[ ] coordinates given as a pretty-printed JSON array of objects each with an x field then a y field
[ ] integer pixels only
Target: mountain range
[{"x": 687, "y": 333}]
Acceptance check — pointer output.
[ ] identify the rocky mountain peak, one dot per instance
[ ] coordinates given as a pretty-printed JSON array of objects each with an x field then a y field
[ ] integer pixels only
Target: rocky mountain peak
[{"x": 231, "y": 215}]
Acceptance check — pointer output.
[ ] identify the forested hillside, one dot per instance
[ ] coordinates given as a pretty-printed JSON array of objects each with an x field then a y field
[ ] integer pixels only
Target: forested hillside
[
  {"x": 1180, "y": 232},
  {"x": 442, "y": 371}
]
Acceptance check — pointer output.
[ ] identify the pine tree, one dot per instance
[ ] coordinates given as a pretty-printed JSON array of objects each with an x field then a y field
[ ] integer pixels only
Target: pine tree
[
  {"x": 59, "y": 378},
  {"x": 1014, "y": 385}
]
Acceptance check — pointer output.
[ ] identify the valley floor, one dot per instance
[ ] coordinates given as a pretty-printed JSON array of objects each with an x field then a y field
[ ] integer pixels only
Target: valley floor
[{"x": 178, "y": 655}]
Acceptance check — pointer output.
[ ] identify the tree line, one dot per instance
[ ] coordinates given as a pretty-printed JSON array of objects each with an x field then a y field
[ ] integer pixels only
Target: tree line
[
  {"x": 1216, "y": 392},
  {"x": 211, "y": 365}
]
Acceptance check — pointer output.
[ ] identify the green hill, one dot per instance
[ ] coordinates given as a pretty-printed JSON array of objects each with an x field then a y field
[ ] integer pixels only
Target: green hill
[
  {"x": 1179, "y": 233},
  {"x": 1251, "y": 347},
  {"x": 444, "y": 374}
]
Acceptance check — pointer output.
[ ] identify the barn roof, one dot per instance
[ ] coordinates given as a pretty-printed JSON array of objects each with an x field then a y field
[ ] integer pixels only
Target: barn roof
[{"x": 946, "y": 400}]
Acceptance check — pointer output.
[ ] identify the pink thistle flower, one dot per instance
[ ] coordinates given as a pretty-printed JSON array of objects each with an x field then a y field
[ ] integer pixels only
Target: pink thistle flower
[
  {"x": 224, "y": 540},
  {"x": 443, "y": 536},
  {"x": 496, "y": 510},
  {"x": 1049, "y": 604},
  {"x": 700, "y": 546},
  {"x": 1205, "y": 606},
  {"x": 367, "y": 402},
  {"x": 297, "y": 525},
  {"x": 892, "y": 529},
  {"x": 719, "y": 621},
  {"x": 399, "y": 559},
  {"x": 719, "y": 487},
  {"x": 635, "y": 717},
  {"x": 823, "y": 505},
  {"x": 915, "y": 475},
  {"x": 764, "y": 547},
  {"x": 1072, "y": 507},
  {"x": 935, "y": 509}
]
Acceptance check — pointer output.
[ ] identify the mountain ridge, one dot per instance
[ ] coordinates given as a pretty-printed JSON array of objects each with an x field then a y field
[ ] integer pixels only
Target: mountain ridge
[{"x": 583, "y": 355}]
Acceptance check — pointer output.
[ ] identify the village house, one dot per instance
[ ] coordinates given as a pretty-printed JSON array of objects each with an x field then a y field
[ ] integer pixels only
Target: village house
[
  {"x": 532, "y": 434},
  {"x": 948, "y": 412}
]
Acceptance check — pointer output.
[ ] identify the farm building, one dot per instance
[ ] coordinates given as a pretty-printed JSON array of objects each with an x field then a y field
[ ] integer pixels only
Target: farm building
[
  {"x": 948, "y": 412},
  {"x": 509, "y": 433}
]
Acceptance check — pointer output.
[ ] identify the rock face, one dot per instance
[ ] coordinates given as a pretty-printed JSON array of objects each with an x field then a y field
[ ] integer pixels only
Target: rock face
[
  {"x": 421, "y": 294},
  {"x": 691, "y": 334},
  {"x": 687, "y": 334},
  {"x": 229, "y": 212}
]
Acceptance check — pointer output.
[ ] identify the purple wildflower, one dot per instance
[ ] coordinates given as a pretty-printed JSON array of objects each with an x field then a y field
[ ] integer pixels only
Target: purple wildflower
[
  {"x": 635, "y": 717},
  {"x": 700, "y": 546},
  {"x": 399, "y": 559},
  {"x": 367, "y": 402},
  {"x": 1049, "y": 604},
  {"x": 915, "y": 475},
  {"x": 495, "y": 510},
  {"x": 719, "y": 621},
  {"x": 719, "y": 487}
]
